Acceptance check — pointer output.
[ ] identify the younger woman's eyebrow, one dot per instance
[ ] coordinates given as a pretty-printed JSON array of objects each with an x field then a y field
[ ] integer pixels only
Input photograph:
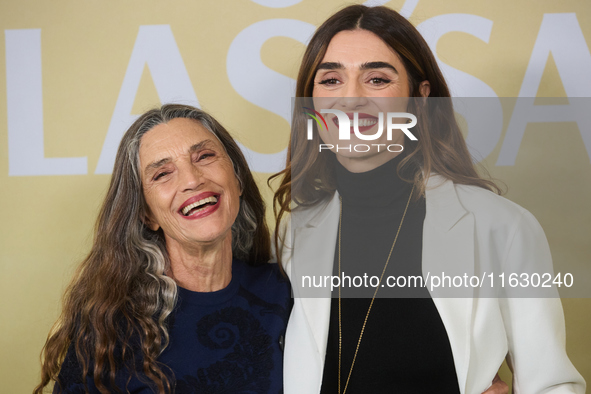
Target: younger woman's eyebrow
[
  {"x": 331, "y": 66},
  {"x": 374, "y": 65},
  {"x": 363, "y": 67}
]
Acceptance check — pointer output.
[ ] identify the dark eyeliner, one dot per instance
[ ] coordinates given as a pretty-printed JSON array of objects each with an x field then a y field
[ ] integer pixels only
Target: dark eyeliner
[
  {"x": 326, "y": 81},
  {"x": 382, "y": 80}
]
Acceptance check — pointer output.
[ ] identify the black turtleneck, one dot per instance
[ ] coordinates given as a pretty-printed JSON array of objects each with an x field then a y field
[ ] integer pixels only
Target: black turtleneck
[{"x": 405, "y": 347}]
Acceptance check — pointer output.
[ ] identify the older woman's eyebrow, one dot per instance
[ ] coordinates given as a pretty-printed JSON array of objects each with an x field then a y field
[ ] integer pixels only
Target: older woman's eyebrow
[
  {"x": 374, "y": 65},
  {"x": 201, "y": 145},
  {"x": 156, "y": 164},
  {"x": 194, "y": 148}
]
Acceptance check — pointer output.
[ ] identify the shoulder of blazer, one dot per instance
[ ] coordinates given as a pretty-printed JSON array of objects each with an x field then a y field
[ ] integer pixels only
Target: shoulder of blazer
[
  {"x": 301, "y": 217},
  {"x": 447, "y": 202},
  {"x": 314, "y": 215}
]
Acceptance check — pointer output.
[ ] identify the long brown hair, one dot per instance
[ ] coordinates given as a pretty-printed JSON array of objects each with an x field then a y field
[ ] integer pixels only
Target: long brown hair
[
  {"x": 120, "y": 293},
  {"x": 309, "y": 175}
]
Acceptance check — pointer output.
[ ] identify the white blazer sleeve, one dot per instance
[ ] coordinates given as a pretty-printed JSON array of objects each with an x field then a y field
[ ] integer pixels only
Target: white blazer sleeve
[{"x": 535, "y": 326}]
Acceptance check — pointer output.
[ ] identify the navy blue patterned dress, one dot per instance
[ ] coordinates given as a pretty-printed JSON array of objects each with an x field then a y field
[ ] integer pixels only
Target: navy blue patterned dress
[{"x": 228, "y": 341}]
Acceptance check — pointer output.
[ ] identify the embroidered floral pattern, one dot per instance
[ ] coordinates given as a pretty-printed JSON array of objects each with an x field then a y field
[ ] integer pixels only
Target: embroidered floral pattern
[{"x": 246, "y": 366}]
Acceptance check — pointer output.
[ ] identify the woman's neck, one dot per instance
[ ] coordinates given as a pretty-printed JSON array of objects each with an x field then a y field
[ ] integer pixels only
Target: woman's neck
[
  {"x": 372, "y": 190},
  {"x": 201, "y": 268},
  {"x": 365, "y": 164}
]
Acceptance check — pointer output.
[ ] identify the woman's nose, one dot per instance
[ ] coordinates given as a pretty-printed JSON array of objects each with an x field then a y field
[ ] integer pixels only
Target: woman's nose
[
  {"x": 353, "y": 96},
  {"x": 190, "y": 178}
]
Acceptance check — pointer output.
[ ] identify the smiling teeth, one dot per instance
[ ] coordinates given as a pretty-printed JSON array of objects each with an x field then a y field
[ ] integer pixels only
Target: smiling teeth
[
  {"x": 187, "y": 209},
  {"x": 362, "y": 122},
  {"x": 367, "y": 122}
]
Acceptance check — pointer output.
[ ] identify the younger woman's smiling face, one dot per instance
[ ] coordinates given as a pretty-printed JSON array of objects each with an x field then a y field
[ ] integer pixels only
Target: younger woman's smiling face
[
  {"x": 361, "y": 74},
  {"x": 358, "y": 63}
]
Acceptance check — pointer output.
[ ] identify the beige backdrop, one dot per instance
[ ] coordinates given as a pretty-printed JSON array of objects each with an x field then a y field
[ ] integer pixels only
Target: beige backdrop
[{"x": 74, "y": 73}]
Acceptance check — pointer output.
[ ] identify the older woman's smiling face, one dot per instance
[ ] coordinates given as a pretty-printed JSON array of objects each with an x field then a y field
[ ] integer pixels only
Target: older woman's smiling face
[{"x": 189, "y": 184}]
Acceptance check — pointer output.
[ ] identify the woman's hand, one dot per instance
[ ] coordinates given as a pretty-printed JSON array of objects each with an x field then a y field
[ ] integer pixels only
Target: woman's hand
[{"x": 498, "y": 386}]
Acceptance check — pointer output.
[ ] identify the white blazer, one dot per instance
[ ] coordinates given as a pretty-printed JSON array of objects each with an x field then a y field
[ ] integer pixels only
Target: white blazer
[{"x": 473, "y": 228}]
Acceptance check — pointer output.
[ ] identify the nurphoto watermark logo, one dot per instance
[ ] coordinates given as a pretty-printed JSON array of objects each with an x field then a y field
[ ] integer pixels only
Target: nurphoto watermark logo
[{"x": 359, "y": 125}]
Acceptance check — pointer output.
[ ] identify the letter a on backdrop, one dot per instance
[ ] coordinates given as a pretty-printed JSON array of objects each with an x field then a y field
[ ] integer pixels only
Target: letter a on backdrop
[{"x": 156, "y": 47}]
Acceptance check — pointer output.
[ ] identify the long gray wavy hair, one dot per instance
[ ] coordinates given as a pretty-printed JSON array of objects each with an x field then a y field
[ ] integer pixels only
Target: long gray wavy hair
[{"x": 121, "y": 289}]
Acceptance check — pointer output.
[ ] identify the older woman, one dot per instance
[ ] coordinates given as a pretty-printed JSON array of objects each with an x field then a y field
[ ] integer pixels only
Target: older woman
[
  {"x": 382, "y": 213},
  {"x": 175, "y": 294}
]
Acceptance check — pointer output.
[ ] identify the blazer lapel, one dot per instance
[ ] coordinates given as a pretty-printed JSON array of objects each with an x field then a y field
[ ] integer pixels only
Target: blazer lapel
[
  {"x": 448, "y": 249},
  {"x": 314, "y": 246}
]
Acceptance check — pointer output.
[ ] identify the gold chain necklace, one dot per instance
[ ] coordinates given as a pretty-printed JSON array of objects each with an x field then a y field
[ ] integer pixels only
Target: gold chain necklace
[{"x": 374, "y": 294}]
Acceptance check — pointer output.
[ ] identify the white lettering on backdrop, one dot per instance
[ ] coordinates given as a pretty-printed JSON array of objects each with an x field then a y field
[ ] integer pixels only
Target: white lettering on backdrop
[
  {"x": 561, "y": 35},
  {"x": 261, "y": 85},
  {"x": 485, "y": 123},
  {"x": 155, "y": 47},
  {"x": 24, "y": 102}
]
